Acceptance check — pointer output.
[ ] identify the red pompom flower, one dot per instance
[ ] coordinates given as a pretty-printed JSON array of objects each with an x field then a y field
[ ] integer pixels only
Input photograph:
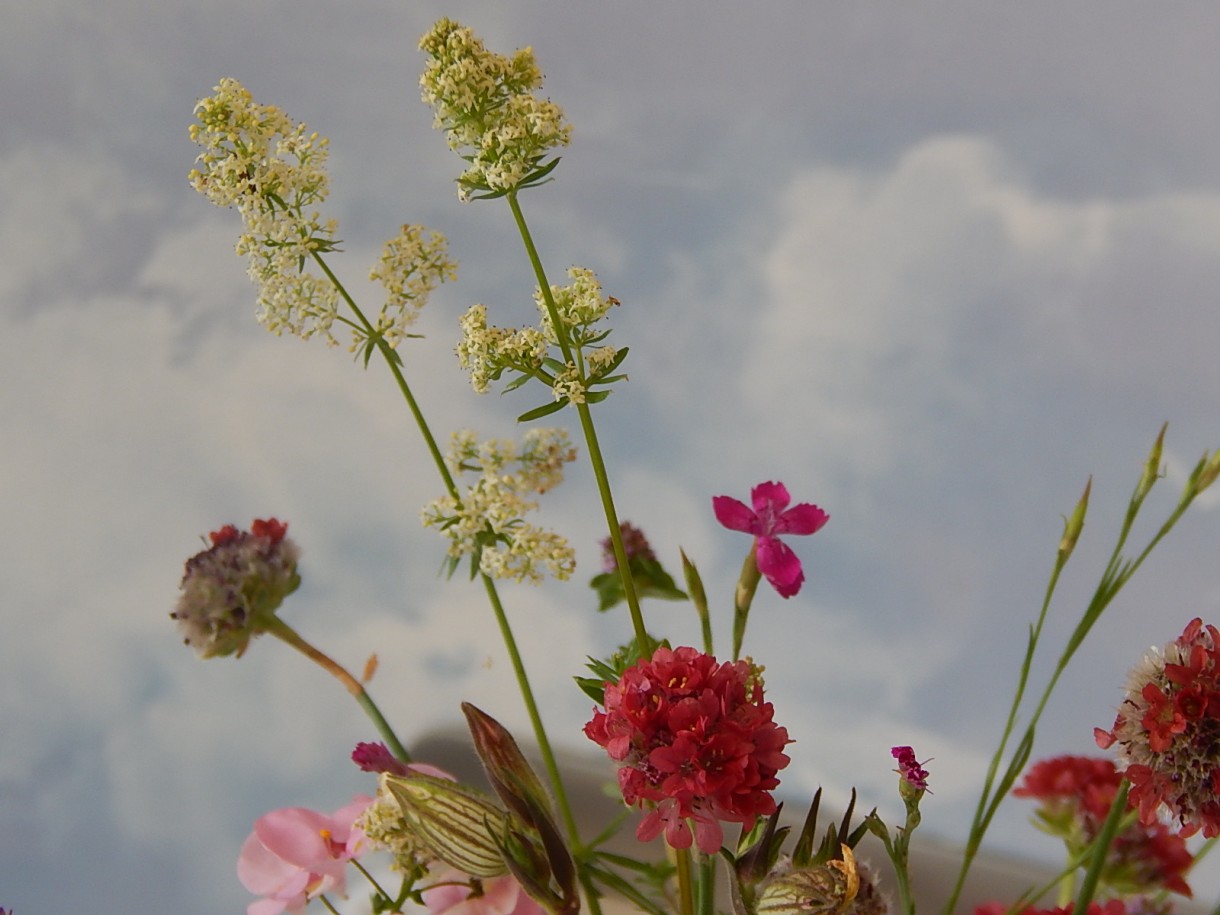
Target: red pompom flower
[
  {"x": 695, "y": 743},
  {"x": 1168, "y": 731}
]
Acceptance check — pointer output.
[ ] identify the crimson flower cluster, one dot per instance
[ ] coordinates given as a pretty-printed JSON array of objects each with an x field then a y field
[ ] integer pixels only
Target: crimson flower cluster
[
  {"x": 1168, "y": 732},
  {"x": 1076, "y": 793},
  {"x": 695, "y": 743}
]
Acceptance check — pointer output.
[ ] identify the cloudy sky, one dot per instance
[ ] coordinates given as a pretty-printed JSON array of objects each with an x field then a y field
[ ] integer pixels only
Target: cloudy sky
[{"x": 931, "y": 265}]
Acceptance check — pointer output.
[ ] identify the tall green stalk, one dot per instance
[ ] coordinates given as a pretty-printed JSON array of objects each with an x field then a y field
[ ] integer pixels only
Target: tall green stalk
[
  {"x": 590, "y": 434},
  {"x": 489, "y": 585}
]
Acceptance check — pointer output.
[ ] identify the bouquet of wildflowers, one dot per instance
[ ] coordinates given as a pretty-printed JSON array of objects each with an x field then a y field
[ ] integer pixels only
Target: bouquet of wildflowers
[{"x": 697, "y": 746}]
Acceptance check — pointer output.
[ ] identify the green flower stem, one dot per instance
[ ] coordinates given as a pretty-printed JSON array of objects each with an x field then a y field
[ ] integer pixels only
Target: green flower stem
[
  {"x": 1101, "y": 849},
  {"x": 1117, "y": 573},
  {"x": 510, "y": 641},
  {"x": 590, "y": 433},
  {"x": 392, "y": 361},
  {"x": 686, "y": 889},
  {"x": 747, "y": 585},
  {"x": 285, "y": 633},
  {"x": 706, "y": 899}
]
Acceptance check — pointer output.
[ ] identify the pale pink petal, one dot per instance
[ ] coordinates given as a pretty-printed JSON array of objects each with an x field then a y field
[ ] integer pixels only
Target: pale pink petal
[
  {"x": 780, "y": 565},
  {"x": 770, "y": 498},
  {"x": 708, "y": 835},
  {"x": 297, "y": 835},
  {"x": 735, "y": 515},
  {"x": 800, "y": 519},
  {"x": 343, "y": 818},
  {"x": 267, "y": 907},
  {"x": 499, "y": 895},
  {"x": 263, "y": 873}
]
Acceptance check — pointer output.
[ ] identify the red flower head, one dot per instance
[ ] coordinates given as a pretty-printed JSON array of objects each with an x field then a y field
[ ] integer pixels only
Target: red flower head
[
  {"x": 695, "y": 742},
  {"x": 1168, "y": 732},
  {"x": 1076, "y": 794}
]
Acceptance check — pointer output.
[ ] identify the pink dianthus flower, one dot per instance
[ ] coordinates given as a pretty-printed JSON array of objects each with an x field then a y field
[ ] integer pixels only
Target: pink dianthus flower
[
  {"x": 769, "y": 518},
  {"x": 695, "y": 742}
]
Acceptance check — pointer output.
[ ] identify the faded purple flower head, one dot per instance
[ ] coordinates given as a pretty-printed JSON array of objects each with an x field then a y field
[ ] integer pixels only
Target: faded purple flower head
[
  {"x": 769, "y": 518},
  {"x": 635, "y": 545},
  {"x": 912, "y": 772},
  {"x": 233, "y": 588}
]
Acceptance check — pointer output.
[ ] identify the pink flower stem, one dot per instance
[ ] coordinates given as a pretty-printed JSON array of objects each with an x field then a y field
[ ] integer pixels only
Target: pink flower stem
[{"x": 285, "y": 633}]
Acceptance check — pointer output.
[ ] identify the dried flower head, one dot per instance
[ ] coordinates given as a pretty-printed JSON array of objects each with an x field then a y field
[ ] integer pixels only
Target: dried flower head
[
  {"x": 1168, "y": 732},
  {"x": 695, "y": 742},
  {"x": 274, "y": 172},
  {"x": 485, "y": 102},
  {"x": 231, "y": 590},
  {"x": 635, "y": 545}
]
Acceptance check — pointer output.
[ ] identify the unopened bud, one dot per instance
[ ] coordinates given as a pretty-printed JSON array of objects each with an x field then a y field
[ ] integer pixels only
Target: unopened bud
[
  {"x": 1075, "y": 523},
  {"x": 458, "y": 825},
  {"x": 1210, "y": 469},
  {"x": 1152, "y": 467}
]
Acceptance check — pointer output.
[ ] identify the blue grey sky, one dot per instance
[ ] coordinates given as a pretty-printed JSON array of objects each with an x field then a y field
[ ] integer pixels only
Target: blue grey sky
[{"x": 931, "y": 265}]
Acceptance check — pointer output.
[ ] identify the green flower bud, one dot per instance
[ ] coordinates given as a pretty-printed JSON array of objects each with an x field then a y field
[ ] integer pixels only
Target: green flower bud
[{"x": 458, "y": 825}]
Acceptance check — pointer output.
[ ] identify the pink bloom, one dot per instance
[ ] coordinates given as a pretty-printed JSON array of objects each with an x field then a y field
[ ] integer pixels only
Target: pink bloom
[
  {"x": 695, "y": 742},
  {"x": 295, "y": 854},
  {"x": 452, "y": 895},
  {"x": 769, "y": 518}
]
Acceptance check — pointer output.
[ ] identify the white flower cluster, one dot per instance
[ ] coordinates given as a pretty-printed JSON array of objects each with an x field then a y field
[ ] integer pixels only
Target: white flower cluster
[
  {"x": 579, "y": 305},
  {"x": 489, "y": 520},
  {"x": 486, "y": 104},
  {"x": 487, "y": 352},
  {"x": 412, "y": 265},
  {"x": 274, "y": 172}
]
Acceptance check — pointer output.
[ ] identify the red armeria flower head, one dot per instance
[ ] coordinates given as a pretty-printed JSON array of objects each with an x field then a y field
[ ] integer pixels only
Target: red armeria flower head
[
  {"x": 769, "y": 518},
  {"x": 1076, "y": 794},
  {"x": 695, "y": 743},
  {"x": 232, "y": 589},
  {"x": 1168, "y": 732}
]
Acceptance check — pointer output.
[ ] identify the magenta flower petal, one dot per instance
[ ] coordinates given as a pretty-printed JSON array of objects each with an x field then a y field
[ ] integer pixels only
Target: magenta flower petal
[
  {"x": 769, "y": 518},
  {"x": 770, "y": 497},
  {"x": 735, "y": 515},
  {"x": 801, "y": 519},
  {"x": 780, "y": 566}
]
